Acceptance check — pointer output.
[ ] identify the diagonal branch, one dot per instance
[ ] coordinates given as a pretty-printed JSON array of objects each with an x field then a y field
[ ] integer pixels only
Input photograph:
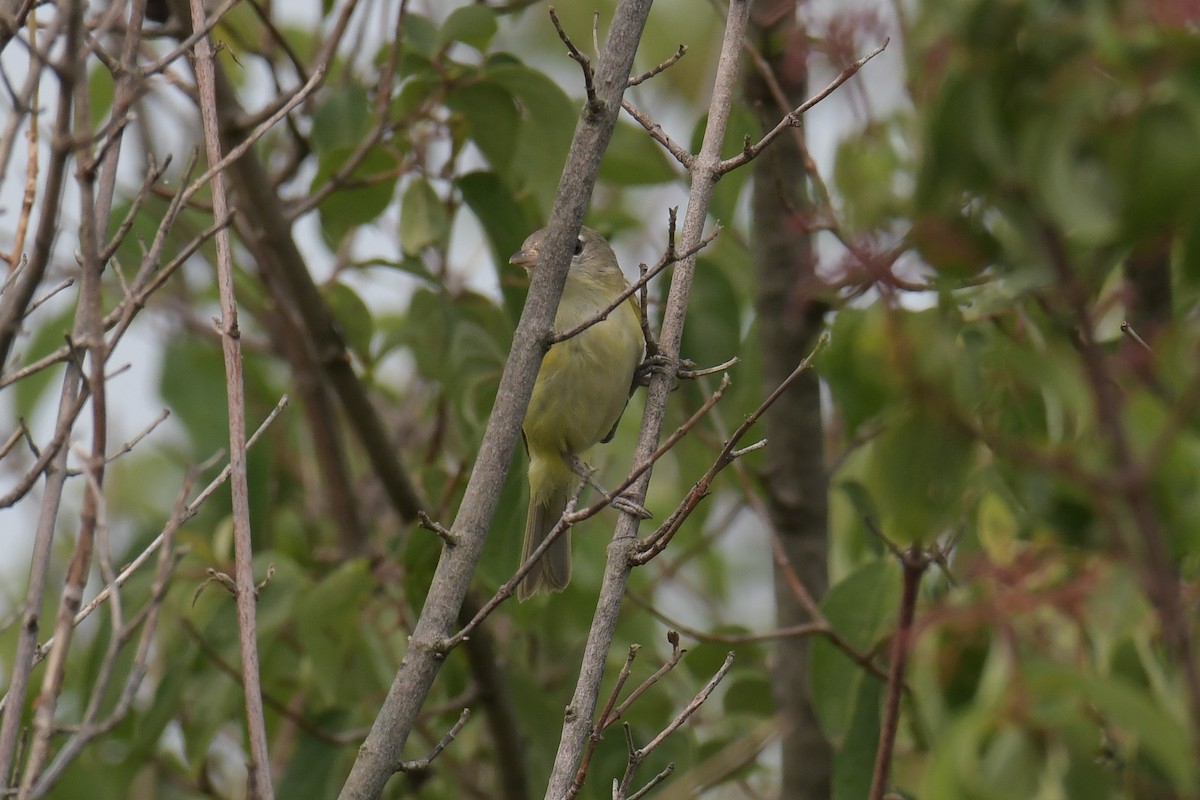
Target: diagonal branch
[
  {"x": 382, "y": 751},
  {"x": 705, "y": 174},
  {"x": 260, "y": 785},
  {"x": 792, "y": 120}
]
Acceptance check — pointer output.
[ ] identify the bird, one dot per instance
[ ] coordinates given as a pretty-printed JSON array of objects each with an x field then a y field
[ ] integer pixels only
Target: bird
[{"x": 581, "y": 391}]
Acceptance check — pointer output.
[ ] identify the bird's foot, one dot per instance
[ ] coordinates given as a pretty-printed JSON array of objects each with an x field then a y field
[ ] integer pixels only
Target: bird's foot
[
  {"x": 629, "y": 505},
  {"x": 661, "y": 363},
  {"x": 581, "y": 468},
  {"x": 621, "y": 502}
]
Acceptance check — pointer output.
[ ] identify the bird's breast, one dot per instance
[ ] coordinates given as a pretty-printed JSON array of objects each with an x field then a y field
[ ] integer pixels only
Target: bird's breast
[{"x": 584, "y": 382}]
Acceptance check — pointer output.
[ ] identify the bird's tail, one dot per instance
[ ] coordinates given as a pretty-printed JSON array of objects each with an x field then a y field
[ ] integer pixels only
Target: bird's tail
[{"x": 551, "y": 483}]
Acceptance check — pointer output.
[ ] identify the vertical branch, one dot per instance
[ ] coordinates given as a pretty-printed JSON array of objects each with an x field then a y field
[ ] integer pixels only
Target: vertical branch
[
  {"x": 790, "y": 318},
  {"x": 247, "y": 594},
  {"x": 705, "y": 171},
  {"x": 125, "y": 92},
  {"x": 914, "y": 563},
  {"x": 89, "y": 336},
  {"x": 12, "y": 310},
  {"x": 16, "y": 299}
]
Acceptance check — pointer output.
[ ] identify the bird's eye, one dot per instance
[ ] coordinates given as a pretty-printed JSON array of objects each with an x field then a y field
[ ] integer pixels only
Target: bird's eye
[{"x": 579, "y": 245}]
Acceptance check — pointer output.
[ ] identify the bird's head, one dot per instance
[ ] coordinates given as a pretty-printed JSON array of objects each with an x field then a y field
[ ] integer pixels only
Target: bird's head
[{"x": 591, "y": 251}]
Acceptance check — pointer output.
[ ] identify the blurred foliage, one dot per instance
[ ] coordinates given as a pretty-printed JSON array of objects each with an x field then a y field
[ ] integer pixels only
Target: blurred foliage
[
  {"x": 1045, "y": 143},
  {"x": 1048, "y": 145}
]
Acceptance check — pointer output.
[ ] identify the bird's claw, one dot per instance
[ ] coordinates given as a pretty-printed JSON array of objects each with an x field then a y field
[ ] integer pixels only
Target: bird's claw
[
  {"x": 629, "y": 505},
  {"x": 664, "y": 364}
]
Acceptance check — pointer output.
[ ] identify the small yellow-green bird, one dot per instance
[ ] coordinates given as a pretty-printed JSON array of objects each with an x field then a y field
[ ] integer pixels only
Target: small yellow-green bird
[{"x": 580, "y": 393}]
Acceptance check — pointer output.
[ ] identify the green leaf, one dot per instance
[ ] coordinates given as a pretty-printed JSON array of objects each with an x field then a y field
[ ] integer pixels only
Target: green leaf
[
  {"x": 1159, "y": 177},
  {"x": 474, "y": 25},
  {"x": 997, "y": 529},
  {"x": 862, "y": 609},
  {"x": 855, "y": 759},
  {"x": 423, "y": 218},
  {"x": 857, "y": 365},
  {"x": 193, "y": 386},
  {"x": 407, "y": 265},
  {"x": 100, "y": 93},
  {"x": 548, "y": 123},
  {"x": 866, "y": 168},
  {"x": 342, "y": 120},
  {"x": 353, "y": 318},
  {"x": 634, "y": 159},
  {"x": 349, "y": 207},
  {"x": 493, "y": 121},
  {"x": 425, "y": 329},
  {"x": 917, "y": 474},
  {"x": 714, "y": 311},
  {"x": 476, "y": 362},
  {"x": 506, "y": 224},
  {"x": 309, "y": 768},
  {"x": 750, "y": 693},
  {"x": 325, "y": 623},
  {"x": 1167, "y": 742},
  {"x": 421, "y": 34}
]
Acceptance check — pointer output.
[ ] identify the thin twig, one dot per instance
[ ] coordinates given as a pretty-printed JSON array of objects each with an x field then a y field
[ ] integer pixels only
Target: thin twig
[
  {"x": 579, "y": 58},
  {"x": 239, "y": 482},
  {"x": 423, "y": 763},
  {"x": 1128, "y": 330},
  {"x": 670, "y": 62},
  {"x": 639, "y": 755},
  {"x": 247, "y": 597},
  {"x": 655, "y": 781},
  {"x": 668, "y": 258},
  {"x": 654, "y": 544},
  {"x": 818, "y": 627},
  {"x": 751, "y": 151},
  {"x": 128, "y": 446},
  {"x": 610, "y": 716},
  {"x": 659, "y": 135},
  {"x": 914, "y": 563}
]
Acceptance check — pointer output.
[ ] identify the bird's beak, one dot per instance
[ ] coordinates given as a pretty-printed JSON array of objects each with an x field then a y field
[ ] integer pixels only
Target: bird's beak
[{"x": 525, "y": 258}]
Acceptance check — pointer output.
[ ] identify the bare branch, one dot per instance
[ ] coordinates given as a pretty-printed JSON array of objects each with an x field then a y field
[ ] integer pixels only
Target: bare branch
[
  {"x": 914, "y": 563},
  {"x": 1128, "y": 330},
  {"x": 608, "y": 719},
  {"x": 423, "y": 764},
  {"x": 247, "y": 596},
  {"x": 655, "y": 781},
  {"x": 751, "y": 151},
  {"x": 598, "y": 728},
  {"x": 579, "y": 58},
  {"x": 808, "y": 629},
  {"x": 656, "y": 542},
  {"x": 659, "y": 135},
  {"x": 639, "y": 755},
  {"x": 690, "y": 709},
  {"x": 444, "y": 533},
  {"x": 670, "y": 62}
]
